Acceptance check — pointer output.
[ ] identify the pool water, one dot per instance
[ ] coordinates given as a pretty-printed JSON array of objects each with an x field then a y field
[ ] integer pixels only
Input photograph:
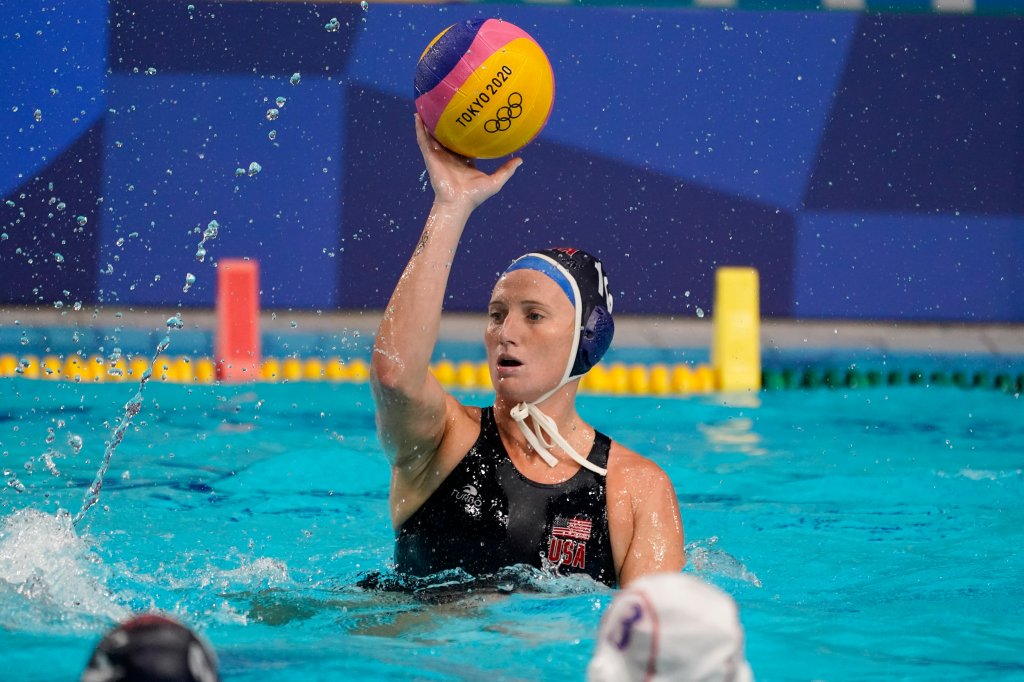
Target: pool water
[{"x": 866, "y": 534}]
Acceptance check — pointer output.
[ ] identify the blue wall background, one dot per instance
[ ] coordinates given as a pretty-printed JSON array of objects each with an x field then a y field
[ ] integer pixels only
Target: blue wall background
[{"x": 869, "y": 165}]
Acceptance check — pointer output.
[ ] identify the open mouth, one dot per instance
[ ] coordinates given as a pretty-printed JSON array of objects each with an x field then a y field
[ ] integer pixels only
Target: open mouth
[{"x": 508, "y": 362}]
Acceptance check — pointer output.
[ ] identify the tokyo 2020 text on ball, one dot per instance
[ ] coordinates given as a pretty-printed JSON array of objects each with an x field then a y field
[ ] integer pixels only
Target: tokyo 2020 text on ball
[{"x": 484, "y": 88}]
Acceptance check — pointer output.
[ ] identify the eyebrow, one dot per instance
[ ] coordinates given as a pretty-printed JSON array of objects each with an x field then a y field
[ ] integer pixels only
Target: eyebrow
[{"x": 527, "y": 302}]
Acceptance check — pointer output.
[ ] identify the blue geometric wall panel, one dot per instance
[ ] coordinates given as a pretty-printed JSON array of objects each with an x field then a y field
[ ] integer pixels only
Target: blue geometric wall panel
[
  {"x": 52, "y": 60},
  {"x": 231, "y": 37},
  {"x": 868, "y": 165},
  {"x": 929, "y": 117},
  {"x": 910, "y": 267},
  {"x": 48, "y": 229},
  {"x": 173, "y": 145}
]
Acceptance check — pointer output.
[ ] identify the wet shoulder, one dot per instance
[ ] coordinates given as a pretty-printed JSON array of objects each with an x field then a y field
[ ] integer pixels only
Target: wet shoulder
[{"x": 633, "y": 474}]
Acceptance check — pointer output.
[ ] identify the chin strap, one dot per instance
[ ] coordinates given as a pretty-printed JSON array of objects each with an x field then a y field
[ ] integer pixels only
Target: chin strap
[{"x": 543, "y": 424}]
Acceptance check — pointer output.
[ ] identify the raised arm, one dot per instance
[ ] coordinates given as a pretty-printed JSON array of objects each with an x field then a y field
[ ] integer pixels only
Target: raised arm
[{"x": 411, "y": 405}]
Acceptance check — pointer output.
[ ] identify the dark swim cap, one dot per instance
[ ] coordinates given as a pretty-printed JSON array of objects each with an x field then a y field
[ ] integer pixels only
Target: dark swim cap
[
  {"x": 151, "y": 648},
  {"x": 583, "y": 279}
]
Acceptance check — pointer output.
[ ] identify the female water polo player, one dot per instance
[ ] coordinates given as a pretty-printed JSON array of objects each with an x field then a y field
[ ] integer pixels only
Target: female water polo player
[{"x": 525, "y": 481}]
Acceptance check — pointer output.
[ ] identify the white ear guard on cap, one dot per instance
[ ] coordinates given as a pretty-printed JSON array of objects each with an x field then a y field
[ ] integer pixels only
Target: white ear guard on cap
[{"x": 581, "y": 276}]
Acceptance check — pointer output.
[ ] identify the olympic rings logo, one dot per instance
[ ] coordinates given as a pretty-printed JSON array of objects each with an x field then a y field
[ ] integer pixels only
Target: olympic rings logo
[{"x": 502, "y": 120}]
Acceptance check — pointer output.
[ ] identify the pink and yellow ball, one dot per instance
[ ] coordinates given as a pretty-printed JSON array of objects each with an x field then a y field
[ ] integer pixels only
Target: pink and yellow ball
[{"x": 484, "y": 88}]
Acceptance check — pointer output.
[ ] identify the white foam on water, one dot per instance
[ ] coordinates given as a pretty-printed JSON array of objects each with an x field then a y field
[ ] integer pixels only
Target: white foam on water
[
  {"x": 981, "y": 474},
  {"x": 50, "y": 579},
  {"x": 705, "y": 559}
]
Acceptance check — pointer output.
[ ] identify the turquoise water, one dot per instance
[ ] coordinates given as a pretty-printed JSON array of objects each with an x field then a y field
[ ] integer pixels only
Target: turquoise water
[{"x": 865, "y": 534}]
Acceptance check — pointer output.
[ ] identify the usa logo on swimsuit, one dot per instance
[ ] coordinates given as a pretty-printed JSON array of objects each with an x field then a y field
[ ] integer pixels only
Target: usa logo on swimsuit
[{"x": 568, "y": 544}]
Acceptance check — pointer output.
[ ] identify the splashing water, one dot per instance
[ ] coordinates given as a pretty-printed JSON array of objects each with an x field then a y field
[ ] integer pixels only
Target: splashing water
[
  {"x": 57, "y": 580},
  {"x": 212, "y": 228},
  {"x": 211, "y": 231},
  {"x": 131, "y": 408},
  {"x": 706, "y": 559}
]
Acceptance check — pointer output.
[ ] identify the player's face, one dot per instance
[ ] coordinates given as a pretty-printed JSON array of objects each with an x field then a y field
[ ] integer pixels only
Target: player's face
[{"x": 529, "y": 335}]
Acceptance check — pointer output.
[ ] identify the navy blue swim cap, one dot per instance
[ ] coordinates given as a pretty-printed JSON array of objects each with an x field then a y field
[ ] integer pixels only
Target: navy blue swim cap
[
  {"x": 153, "y": 648},
  {"x": 583, "y": 279}
]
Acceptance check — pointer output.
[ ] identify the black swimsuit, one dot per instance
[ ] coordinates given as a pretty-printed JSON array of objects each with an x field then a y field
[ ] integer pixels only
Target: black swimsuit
[{"x": 486, "y": 515}]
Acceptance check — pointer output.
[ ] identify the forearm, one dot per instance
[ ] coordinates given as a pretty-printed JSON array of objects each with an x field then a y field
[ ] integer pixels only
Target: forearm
[{"x": 408, "y": 332}]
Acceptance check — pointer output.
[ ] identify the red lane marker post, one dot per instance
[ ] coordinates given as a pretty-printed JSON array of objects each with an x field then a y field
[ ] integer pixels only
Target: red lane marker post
[{"x": 237, "y": 345}]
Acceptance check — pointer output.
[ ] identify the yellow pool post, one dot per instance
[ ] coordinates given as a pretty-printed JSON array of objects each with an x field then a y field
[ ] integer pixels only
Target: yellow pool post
[{"x": 736, "y": 344}]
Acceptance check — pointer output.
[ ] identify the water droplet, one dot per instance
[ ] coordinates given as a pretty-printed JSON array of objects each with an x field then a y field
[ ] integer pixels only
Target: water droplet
[
  {"x": 191, "y": 9},
  {"x": 254, "y": 169},
  {"x": 58, "y": 304},
  {"x": 271, "y": 135},
  {"x": 332, "y": 25},
  {"x": 75, "y": 441},
  {"x": 58, "y": 257},
  {"x": 700, "y": 312},
  {"x": 37, "y": 115},
  {"x": 364, "y": 5},
  {"x": 200, "y": 254},
  {"x": 82, "y": 220},
  {"x": 175, "y": 322},
  {"x": 280, "y": 102},
  {"x": 239, "y": 172},
  {"x": 151, "y": 71},
  {"x": 296, "y": 78},
  {"x": 190, "y": 279},
  {"x": 211, "y": 230},
  {"x": 272, "y": 114}
]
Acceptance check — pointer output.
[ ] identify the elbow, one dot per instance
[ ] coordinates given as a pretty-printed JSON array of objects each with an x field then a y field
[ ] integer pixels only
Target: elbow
[
  {"x": 384, "y": 372},
  {"x": 389, "y": 378}
]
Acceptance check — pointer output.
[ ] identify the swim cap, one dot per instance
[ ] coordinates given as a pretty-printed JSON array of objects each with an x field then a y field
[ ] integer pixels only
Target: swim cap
[
  {"x": 581, "y": 276},
  {"x": 583, "y": 279},
  {"x": 153, "y": 648}
]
